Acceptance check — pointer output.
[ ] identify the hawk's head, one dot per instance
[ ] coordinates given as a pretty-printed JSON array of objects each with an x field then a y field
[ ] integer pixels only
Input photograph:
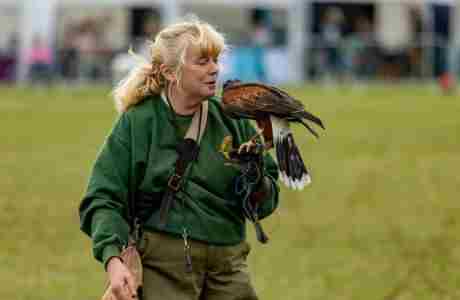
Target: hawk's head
[{"x": 230, "y": 83}]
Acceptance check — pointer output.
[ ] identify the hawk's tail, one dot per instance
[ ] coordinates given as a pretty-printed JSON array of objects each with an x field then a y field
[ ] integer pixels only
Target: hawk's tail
[{"x": 293, "y": 172}]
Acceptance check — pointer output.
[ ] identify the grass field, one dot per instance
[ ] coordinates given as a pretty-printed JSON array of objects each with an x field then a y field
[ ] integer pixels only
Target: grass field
[{"x": 381, "y": 220}]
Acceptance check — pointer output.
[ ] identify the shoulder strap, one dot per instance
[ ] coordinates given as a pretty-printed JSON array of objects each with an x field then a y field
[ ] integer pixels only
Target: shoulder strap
[
  {"x": 187, "y": 150},
  {"x": 198, "y": 125}
]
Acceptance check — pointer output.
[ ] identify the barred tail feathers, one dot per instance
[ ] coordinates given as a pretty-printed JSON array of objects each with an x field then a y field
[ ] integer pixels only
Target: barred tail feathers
[{"x": 293, "y": 172}]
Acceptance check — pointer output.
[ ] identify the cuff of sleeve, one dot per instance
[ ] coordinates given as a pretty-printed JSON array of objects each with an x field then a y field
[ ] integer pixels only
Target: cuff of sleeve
[{"x": 109, "y": 252}]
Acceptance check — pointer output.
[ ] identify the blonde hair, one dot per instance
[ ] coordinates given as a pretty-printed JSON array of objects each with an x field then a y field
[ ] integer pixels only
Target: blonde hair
[{"x": 168, "y": 48}]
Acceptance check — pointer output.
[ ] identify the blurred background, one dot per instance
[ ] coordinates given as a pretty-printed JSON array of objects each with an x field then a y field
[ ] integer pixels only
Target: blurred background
[
  {"x": 327, "y": 41},
  {"x": 381, "y": 218}
]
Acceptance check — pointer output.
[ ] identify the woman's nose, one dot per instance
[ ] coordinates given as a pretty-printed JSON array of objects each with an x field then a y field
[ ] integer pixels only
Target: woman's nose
[{"x": 214, "y": 67}]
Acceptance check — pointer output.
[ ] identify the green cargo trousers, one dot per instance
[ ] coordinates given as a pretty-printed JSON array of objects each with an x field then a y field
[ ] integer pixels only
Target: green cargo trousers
[{"x": 219, "y": 272}]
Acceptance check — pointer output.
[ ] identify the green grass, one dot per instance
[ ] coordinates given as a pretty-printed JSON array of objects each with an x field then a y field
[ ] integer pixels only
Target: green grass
[{"x": 380, "y": 220}]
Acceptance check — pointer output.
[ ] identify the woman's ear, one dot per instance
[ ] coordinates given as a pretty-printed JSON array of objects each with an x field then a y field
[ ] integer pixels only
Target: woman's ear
[{"x": 168, "y": 74}]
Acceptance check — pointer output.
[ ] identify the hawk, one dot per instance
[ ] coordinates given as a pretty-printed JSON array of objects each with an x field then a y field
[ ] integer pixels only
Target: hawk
[{"x": 273, "y": 110}]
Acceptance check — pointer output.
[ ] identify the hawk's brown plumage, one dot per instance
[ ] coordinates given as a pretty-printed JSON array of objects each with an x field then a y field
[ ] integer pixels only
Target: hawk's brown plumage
[{"x": 273, "y": 109}]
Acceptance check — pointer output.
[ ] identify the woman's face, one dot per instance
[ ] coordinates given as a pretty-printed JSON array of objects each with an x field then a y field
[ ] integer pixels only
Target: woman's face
[{"x": 199, "y": 74}]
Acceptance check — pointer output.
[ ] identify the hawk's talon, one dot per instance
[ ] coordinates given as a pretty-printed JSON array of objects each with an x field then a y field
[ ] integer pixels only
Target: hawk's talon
[
  {"x": 252, "y": 143},
  {"x": 247, "y": 147}
]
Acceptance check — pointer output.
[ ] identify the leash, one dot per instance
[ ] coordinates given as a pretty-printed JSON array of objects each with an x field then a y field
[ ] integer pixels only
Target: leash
[{"x": 244, "y": 185}]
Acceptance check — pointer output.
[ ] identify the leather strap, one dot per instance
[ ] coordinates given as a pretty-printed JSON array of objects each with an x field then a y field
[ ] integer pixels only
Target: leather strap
[
  {"x": 197, "y": 126},
  {"x": 187, "y": 150}
]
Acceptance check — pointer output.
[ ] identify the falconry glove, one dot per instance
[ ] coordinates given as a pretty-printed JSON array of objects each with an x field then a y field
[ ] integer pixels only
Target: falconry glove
[{"x": 248, "y": 183}]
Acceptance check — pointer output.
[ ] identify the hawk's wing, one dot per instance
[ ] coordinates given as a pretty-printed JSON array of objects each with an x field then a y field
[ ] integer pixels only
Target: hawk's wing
[
  {"x": 250, "y": 100},
  {"x": 254, "y": 100}
]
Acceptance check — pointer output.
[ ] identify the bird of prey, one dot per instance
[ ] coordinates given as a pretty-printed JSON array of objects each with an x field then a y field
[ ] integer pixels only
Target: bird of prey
[{"x": 273, "y": 110}]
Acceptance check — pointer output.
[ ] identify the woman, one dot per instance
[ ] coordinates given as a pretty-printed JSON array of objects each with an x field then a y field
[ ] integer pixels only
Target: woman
[{"x": 157, "y": 102}]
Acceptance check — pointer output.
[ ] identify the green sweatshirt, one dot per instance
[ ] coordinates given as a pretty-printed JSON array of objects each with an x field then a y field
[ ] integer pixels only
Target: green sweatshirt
[{"x": 139, "y": 155}]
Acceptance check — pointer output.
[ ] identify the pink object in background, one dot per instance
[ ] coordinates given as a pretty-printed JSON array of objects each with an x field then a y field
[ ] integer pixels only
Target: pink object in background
[{"x": 39, "y": 53}]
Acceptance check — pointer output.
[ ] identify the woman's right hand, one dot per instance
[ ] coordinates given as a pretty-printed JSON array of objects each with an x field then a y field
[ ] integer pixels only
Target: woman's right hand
[{"x": 121, "y": 280}]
